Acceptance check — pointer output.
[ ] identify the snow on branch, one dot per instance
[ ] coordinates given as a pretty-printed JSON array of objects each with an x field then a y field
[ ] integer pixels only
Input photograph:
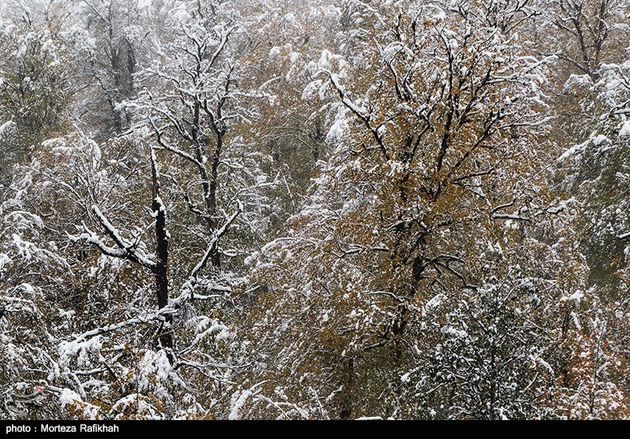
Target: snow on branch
[
  {"x": 142, "y": 319},
  {"x": 123, "y": 250},
  {"x": 188, "y": 286},
  {"x": 224, "y": 40},
  {"x": 358, "y": 111},
  {"x": 214, "y": 242}
]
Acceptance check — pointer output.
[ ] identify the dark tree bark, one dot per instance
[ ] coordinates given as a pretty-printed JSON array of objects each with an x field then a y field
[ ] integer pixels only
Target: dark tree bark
[{"x": 160, "y": 269}]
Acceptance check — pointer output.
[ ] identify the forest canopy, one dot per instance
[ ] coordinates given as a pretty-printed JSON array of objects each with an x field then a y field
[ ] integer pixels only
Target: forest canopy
[{"x": 314, "y": 209}]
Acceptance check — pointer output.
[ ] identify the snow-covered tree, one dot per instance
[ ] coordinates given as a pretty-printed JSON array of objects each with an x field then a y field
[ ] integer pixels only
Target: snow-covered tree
[
  {"x": 229, "y": 209},
  {"x": 35, "y": 80}
]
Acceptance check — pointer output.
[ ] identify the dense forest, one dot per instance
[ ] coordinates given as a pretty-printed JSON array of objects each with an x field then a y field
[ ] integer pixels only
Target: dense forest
[{"x": 314, "y": 209}]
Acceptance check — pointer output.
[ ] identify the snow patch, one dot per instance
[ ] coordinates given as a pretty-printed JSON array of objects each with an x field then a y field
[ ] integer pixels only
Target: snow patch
[
  {"x": 577, "y": 81},
  {"x": 337, "y": 130},
  {"x": 600, "y": 139},
  {"x": 68, "y": 397},
  {"x": 624, "y": 133},
  {"x": 238, "y": 401},
  {"x": 4, "y": 260},
  {"x": 6, "y": 128},
  {"x": 435, "y": 302},
  {"x": 573, "y": 151}
]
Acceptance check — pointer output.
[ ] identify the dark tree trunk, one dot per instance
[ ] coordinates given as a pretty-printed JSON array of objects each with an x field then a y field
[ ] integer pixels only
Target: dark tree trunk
[
  {"x": 161, "y": 270},
  {"x": 215, "y": 258}
]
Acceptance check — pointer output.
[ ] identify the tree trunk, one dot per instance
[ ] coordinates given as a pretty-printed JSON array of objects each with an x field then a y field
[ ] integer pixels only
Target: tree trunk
[
  {"x": 161, "y": 270},
  {"x": 215, "y": 258}
]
